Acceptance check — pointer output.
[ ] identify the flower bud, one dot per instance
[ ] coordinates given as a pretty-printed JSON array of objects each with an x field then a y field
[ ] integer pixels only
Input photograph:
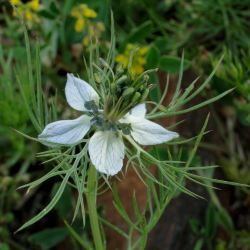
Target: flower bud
[
  {"x": 122, "y": 79},
  {"x": 97, "y": 78},
  {"x": 119, "y": 69},
  {"x": 145, "y": 95},
  {"x": 141, "y": 89},
  {"x": 136, "y": 97},
  {"x": 146, "y": 78},
  {"x": 128, "y": 92},
  {"x": 113, "y": 87}
]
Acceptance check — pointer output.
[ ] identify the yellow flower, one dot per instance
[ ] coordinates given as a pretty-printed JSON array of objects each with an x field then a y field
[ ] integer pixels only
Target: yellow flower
[
  {"x": 28, "y": 15},
  {"x": 100, "y": 27},
  {"x": 15, "y": 2},
  {"x": 139, "y": 58},
  {"x": 75, "y": 12},
  {"x": 122, "y": 59},
  {"x": 143, "y": 50},
  {"x": 87, "y": 12},
  {"x": 34, "y": 4},
  {"x": 79, "y": 25},
  {"x": 27, "y": 10},
  {"x": 136, "y": 70},
  {"x": 94, "y": 32},
  {"x": 82, "y": 13},
  {"x": 86, "y": 41}
]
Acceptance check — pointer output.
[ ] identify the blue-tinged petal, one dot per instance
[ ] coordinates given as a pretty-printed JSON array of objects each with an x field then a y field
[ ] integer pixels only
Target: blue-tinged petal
[
  {"x": 65, "y": 132},
  {"x": 106, "y": 150},
  {"x": 146, "y": 132},
  {"x": 139, "y": 110},
  {"x": 78, "y": 92}
]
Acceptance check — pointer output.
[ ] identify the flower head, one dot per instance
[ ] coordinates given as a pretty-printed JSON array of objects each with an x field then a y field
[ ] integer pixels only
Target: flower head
[
  {"x": 139, "y": 59},
  {"x": 28, "y": 10},
  {"x": 93, "y": 30},
  {"x": 106, "y": 126},
  {"x": 34, "y": 5},
  {"x": 15, "y": 2},
  {"x": 82, "y": 13}
]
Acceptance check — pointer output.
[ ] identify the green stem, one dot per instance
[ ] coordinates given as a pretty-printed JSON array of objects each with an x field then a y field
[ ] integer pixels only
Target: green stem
[
  {"x": 143, "y": 241},
  {"x": 92, "y": 209}
]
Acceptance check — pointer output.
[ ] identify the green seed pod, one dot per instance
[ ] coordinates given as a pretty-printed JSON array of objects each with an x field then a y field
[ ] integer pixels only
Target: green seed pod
[
  {"x": 162, "y": 108},
  {"x": 142, "y": 88},
  {"x": 119, "y": 69},
  {"x": 109, "y": 104},
  {"x": 122, "y": 79},
  {"x": 128, "y": 92},
  {"x": 97, "y": 78},
  {"x": 136, "y": 97},
  {"x": 113, "y": 87},
  {"x": 145, "y": 78},
  {"x": 145, "y": 95}
]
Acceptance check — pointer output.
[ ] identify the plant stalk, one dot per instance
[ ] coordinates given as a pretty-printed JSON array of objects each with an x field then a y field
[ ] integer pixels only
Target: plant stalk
[{"x": 92, "y": 208}]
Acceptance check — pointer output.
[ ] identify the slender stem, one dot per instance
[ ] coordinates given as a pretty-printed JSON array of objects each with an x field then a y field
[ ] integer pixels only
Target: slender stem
[
  {"x": 92, "y": 209},
  {"x": 144, "y": 239}
]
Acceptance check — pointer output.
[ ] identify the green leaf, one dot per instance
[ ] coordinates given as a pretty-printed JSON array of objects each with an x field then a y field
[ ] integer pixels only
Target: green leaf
[
  {"x": 197, "y": 143},
  {"x": 4, "y": 246},
  {"x": 64, "y": 205},
  {"x": 119, "y": 206},
  {"x": 67, "y": 6},
  {"x": 155, "y": 92},
  {"x": 226, "y": 221},
  {"x": 161, "y": 43},
  {"x": 194, "y": 224},
  {"x": 54, "y": 9},
  {"x": 49, "y": 238},
  {"x": 198, "y": 244},
  {"x": 19, "y": 53},
  {"x": 153, "y": 57},
  {"x": 52, "y": 203},
  {"x": 141, "y": 32},
  {"x": 211, "y": 222},
  {"x": 47, "y": 14},
  {"x": 79, "y": 238},
  {"x": 172, "y": 64}
]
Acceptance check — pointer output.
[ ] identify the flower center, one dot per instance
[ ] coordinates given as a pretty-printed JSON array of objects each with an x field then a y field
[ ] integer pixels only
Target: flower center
[
  {"x": 104, "y": 124},
  {"x": 124, "y": 94}
]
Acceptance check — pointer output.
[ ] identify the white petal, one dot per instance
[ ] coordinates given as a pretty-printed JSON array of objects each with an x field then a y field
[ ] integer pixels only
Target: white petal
[
  {"x": 146, "y": 132},
  {"x": 66, "y": 132},
  {"x": 139, "y": 110},
  {"x": 106, "y": 150},
  {"x": 78, "y": 92}
]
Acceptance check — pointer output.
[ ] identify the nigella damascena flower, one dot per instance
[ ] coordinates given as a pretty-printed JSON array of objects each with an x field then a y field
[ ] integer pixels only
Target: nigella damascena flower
[{"x": 106, "y": 147}]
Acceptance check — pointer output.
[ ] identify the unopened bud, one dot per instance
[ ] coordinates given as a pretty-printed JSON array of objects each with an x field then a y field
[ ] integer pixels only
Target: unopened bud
[
  {"x": 119, "y": 69},
  {"x": 127, "y": 92},
  {"x": 97, "y": 78},
  {"x": 113, "y": 87},
  {"x": 145, "y": 95},
  {"x": 162, "y": 108},
  {"x": 146, "y": 78},
  {"x": 136, "y": 97},
  {"x": 122, "y": 79}
]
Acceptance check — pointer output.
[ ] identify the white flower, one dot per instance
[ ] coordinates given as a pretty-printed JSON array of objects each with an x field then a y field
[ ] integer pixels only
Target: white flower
[{"x": 106, "y": 147}]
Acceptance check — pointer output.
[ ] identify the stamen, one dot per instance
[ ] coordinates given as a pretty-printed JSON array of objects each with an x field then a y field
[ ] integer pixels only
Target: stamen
[
  {"x": 125, "y": 128},
  {"x": 91, "y": 105}
]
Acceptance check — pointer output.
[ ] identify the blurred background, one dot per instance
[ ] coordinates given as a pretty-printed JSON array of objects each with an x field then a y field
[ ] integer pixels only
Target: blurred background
[{"x": 162, "y": 30}]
